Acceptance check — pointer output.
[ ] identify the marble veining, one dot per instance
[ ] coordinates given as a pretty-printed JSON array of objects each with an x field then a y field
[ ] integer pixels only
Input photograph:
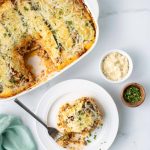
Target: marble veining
[{"x": 124, "y": 12}]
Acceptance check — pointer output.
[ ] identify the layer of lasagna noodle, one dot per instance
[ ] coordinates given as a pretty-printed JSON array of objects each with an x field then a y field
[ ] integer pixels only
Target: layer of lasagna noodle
[{"x": 57, "y": 31}]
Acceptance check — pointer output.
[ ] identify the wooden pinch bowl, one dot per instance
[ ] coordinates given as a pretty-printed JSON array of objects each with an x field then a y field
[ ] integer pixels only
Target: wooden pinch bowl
[{"x": 143, "y": 95}]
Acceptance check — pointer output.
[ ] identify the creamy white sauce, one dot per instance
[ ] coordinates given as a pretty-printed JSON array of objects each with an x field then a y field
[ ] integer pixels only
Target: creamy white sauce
[{"x": 115, "y": 66}]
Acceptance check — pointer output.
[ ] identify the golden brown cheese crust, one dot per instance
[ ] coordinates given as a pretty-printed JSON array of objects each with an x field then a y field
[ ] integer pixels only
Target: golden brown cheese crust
[
  {"x": 77, "y": 120},
  {"x": 81, "y": 116},
  {"x": 58, "y": 32}
]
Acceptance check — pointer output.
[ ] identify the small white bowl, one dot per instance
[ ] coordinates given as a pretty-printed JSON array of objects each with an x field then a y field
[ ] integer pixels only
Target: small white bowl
[{"x": 130, "y": 66}]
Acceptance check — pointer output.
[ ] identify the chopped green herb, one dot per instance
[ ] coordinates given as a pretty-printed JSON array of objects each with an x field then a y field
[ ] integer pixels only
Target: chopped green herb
[
  {"x": 35, "y": 7},
  {"x": 24, "y": 24},
  {"x": 88, "y": 141},
  {"x": 9, "y": 34},
  {"x": 86, "y": 24},
  {"x": 69, "y": 22},
  {"x": 95, "y": 136},
  {"x": 80, "y": 118},
  {"x": 12, "y": 80},
  {"x": 132, "y": 94},
  {"x": 25, "y": 8},
  {"x": 53, "y": 31},
  {"x": 61, "y": 12}
]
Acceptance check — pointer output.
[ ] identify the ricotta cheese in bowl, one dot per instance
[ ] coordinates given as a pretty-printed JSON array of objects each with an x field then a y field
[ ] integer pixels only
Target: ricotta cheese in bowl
[{"x": 116, "y": 66}]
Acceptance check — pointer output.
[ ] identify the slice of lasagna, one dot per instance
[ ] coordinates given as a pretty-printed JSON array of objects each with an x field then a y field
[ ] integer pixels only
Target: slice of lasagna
[{"x": 77, "y": 120}]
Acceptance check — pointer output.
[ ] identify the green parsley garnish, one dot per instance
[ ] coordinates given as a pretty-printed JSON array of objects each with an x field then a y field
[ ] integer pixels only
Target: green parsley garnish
[
  {"x": 95, "y": 136},
  {"x": 88, "y": 141},
  {"x": 132, "y": 94},
  {"x": 25, "y": 8},
  {"x": 61, "y": 12},
  {"x": 69, "y": 22},
  {"x": 9, "y": 34},
  {"x": 80, "y": 118},
  {"x": 86, "y": 24},
  {"x": 24, "y": 24}
]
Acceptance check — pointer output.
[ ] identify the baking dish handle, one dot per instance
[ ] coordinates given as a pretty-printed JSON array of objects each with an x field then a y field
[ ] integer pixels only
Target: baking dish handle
[{"x": 94, "y": 7}]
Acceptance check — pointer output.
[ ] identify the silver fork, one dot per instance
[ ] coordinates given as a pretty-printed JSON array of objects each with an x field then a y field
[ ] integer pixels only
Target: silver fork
[{"x": 53, "y": 132}]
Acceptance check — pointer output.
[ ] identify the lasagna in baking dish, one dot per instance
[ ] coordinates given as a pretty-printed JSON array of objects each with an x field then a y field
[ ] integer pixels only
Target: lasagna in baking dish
[{"x": 39, "y": 38}]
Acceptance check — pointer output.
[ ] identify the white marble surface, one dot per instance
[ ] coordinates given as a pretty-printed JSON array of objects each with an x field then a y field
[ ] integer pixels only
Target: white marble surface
[{"x": 124, "y": 24}]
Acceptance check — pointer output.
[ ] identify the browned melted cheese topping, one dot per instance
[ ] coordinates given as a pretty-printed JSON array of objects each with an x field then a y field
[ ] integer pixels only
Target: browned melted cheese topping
[
  {"x": 76, "y": 121},
  {"x": 57, "y": 31}
]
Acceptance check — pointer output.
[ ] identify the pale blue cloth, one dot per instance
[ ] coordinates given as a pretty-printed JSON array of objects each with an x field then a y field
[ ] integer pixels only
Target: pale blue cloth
[{"x": 14, "y": 135}]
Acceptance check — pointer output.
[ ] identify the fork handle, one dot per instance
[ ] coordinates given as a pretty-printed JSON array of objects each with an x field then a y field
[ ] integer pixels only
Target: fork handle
[{"x": 30, "y": 112}]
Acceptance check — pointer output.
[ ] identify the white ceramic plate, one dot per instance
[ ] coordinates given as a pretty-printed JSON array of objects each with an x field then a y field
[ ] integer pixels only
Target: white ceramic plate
[{"x": 70, "y": 90}]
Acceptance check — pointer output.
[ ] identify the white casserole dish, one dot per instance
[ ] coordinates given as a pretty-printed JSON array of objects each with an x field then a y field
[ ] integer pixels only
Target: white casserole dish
[{"x": 94, "y": 9}]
